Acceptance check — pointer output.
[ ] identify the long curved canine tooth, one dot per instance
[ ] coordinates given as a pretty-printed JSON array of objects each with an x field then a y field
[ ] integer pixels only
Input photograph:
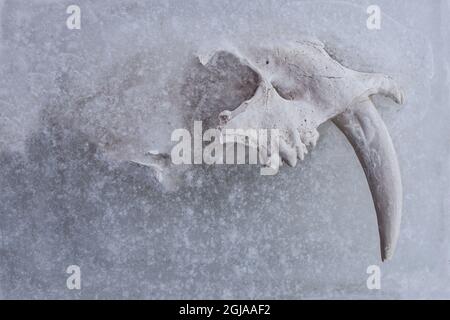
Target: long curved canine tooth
[{"x": 367, "y": 133}]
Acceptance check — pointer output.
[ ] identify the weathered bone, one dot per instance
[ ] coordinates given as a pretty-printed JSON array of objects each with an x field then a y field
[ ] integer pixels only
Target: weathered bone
[{"x": 301, "y": 87}]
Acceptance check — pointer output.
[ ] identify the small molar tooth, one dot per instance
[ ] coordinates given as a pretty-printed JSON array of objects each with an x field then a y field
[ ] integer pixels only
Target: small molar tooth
[
  {"x": 301, "y": 151},
  {"x": 311, "y": 138},
  {"x": 288, "y": 153}
]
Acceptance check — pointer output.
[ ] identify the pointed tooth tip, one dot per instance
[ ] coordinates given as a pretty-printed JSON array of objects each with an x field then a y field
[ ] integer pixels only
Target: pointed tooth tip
[
  {"x": 386, "y": 254},
  {"x": 385, "y": 258},
  {"x": 291, "y": 163}
]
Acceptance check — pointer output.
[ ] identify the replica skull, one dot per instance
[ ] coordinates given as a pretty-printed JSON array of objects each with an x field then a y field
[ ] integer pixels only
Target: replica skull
[{"x": 301, "y": 87}]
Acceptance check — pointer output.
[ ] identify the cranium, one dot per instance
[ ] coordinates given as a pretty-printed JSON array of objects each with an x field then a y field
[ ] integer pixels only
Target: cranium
[{"x": 301, "y": 87}]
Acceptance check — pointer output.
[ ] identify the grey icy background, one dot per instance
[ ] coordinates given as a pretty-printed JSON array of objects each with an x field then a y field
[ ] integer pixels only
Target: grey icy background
[{"x": 75, "y": 105}]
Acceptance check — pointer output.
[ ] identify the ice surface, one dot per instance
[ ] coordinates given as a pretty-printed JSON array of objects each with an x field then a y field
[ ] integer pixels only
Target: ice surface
[{"x": 75, "y": 105}]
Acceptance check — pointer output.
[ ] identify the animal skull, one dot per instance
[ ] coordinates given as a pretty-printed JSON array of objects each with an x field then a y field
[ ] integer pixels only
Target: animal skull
[{"x": 301, "y": 87}]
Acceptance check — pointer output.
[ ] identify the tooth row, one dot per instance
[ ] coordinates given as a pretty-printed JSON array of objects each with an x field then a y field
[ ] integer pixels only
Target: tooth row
[{"x": 291, "y": 153}]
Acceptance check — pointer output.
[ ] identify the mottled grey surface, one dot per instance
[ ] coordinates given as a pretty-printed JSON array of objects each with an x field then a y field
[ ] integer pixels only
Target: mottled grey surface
[{"x": 76, "y": 104}]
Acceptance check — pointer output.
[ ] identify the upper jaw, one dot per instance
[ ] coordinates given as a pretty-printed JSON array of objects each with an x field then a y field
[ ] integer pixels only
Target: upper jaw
[{"x": 294, "y": 121}]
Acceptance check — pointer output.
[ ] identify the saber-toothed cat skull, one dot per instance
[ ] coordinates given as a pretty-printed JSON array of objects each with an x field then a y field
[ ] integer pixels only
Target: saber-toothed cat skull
[{"x": 301, "y": 87}]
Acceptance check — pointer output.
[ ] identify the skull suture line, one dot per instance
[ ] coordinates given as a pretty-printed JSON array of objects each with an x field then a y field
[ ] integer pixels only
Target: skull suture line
[{"x": 301, "y": 87}]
